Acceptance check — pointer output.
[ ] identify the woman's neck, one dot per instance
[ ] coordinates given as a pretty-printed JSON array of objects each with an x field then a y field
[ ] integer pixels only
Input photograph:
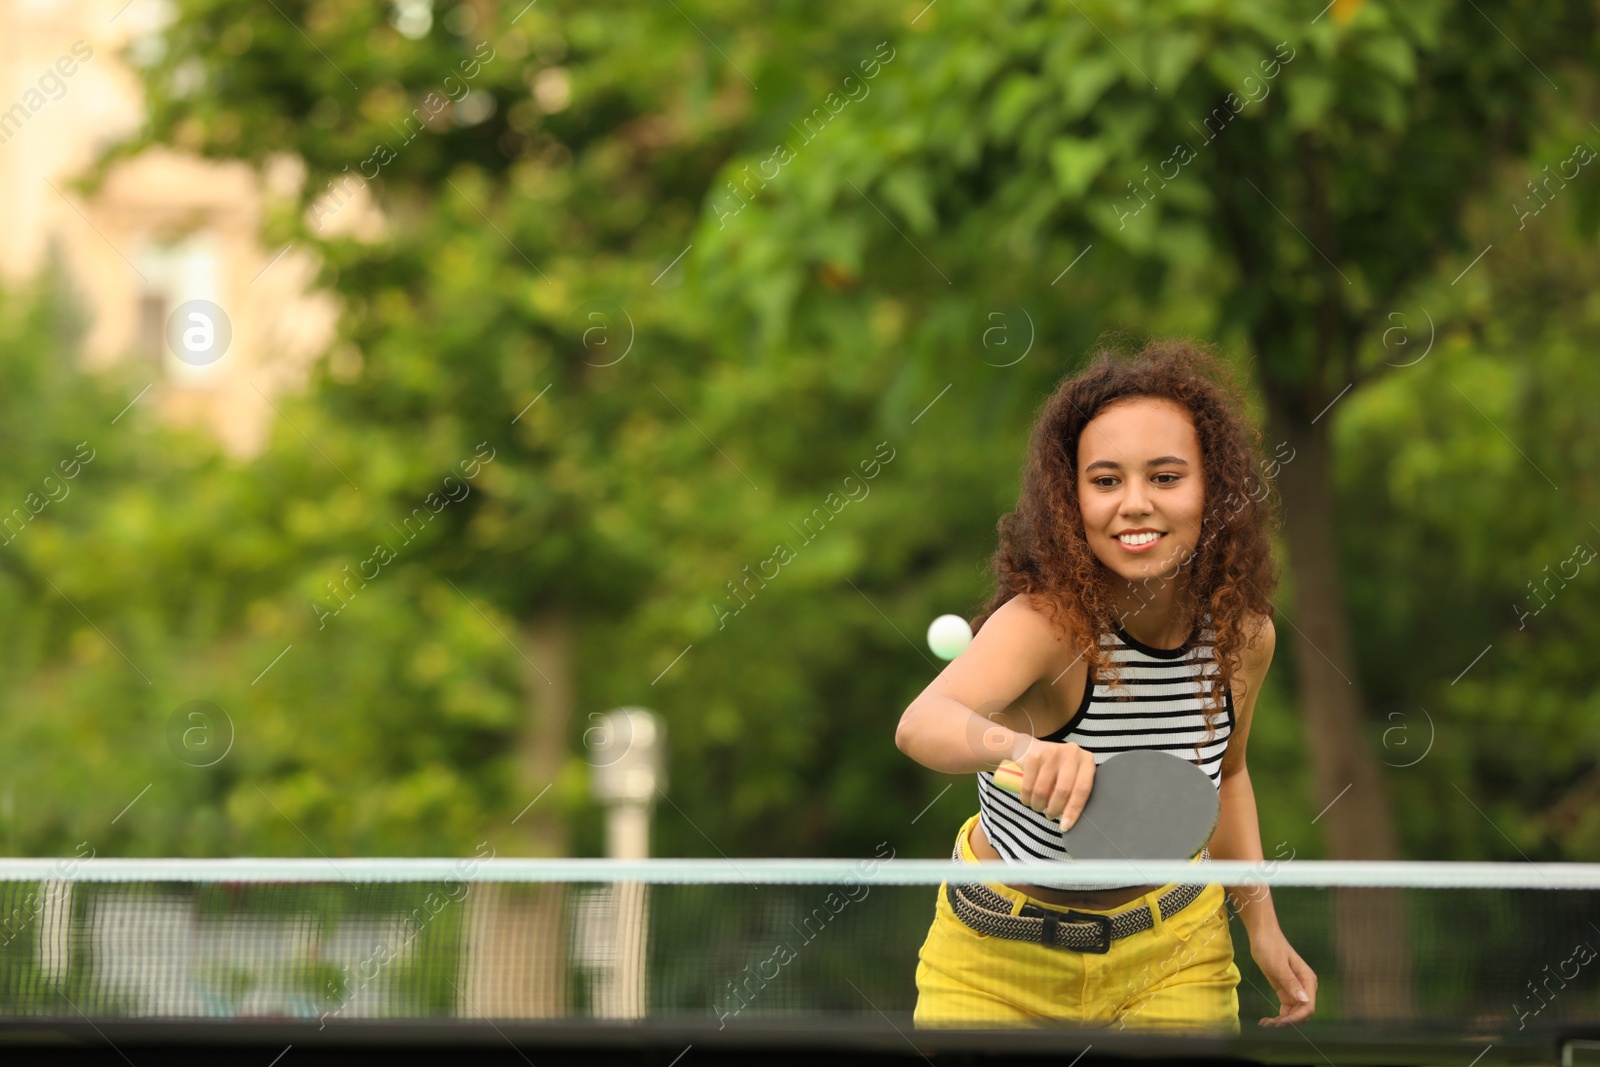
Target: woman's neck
[{"x": 1152, "y": 616}]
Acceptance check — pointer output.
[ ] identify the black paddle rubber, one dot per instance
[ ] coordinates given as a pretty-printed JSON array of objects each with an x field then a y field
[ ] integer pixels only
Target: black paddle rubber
[{"x": 1145, "y": 805}]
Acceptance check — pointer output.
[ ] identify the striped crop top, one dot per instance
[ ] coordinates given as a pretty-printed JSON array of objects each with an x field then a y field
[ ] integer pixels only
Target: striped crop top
[{"x": 1158, "y": 703}]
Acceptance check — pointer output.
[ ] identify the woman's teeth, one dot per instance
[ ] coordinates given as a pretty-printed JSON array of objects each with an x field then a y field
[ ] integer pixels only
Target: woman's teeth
[{"x": 1138, "y": 539}]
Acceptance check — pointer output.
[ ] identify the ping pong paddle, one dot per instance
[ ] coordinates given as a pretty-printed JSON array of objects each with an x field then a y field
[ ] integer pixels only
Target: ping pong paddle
[{"x": 1144, "y": 805}]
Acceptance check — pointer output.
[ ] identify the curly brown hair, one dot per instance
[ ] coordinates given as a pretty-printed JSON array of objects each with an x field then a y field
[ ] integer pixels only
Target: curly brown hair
[{"x": 1043, "y": 549}]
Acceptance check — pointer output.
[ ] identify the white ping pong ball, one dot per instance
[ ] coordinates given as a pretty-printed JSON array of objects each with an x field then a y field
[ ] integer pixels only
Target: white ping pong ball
[{"x": 949, "y": 636}]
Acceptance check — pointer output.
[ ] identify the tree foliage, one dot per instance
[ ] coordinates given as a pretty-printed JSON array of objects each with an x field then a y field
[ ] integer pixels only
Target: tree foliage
[{"x": 689, "y": 278}]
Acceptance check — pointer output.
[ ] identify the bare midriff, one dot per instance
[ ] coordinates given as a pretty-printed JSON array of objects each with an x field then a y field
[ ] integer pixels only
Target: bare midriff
[{"x": 1098, "y": 898}]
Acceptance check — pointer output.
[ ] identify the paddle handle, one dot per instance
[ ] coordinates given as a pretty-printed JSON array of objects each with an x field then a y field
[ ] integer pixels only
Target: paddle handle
[{"x": 1008, "y": 776}]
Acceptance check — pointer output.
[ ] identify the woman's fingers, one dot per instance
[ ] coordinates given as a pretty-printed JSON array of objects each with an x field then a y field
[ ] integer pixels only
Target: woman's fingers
[
  {"x": 1079, "y": 795},
  {"x": 1307, "y": 978},
  {"x": 1289, "y": 1017},
  {"x": 1290, "y": 977},
  {"x": 1030, "y": 782},
  {"x": 1061, "y": 795},
  {"x": 1056, "y": 780},
  {"x": 1044, "y": 787},
  {"x": 1024, "y": 789}
]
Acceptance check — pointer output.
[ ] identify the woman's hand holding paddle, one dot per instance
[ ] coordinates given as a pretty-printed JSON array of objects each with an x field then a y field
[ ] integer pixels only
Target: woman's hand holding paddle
[{"x": 1052, "y": 778}]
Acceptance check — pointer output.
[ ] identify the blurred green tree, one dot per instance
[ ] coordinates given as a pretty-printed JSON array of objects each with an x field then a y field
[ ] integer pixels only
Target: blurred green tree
[
  {"x": 1299, "y": 179},
  {"x": 539, "y": 174},
  {"x": 143, "y": 571},
  {"x": 681, "y": 310}
]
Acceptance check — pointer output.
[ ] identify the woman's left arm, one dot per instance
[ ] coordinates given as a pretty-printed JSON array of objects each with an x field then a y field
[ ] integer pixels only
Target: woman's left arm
[{"x": 1238, "y": 837}]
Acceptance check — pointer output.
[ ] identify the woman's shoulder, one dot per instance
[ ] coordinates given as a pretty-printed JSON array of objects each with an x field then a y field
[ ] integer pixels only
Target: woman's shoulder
[
  {"x": 1260, "y": 639},
  {"x": 1028, "y": 617},
  {"x": 1259, "y": 629}
]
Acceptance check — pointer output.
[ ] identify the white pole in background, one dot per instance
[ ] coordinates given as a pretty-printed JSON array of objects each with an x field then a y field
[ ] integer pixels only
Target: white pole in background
[{"x": 625, "y": 750}]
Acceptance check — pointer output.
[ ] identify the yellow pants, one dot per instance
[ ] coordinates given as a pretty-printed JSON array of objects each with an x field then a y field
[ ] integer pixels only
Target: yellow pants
[{"x": 1178, "y": 975}]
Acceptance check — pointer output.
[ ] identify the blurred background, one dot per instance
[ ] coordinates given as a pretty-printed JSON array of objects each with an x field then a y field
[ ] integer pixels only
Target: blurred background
[{"x": 390, "y": 389}]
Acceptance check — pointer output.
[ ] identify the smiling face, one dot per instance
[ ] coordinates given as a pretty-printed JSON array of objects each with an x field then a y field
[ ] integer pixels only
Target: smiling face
[{"x": 1140, "y": 487}]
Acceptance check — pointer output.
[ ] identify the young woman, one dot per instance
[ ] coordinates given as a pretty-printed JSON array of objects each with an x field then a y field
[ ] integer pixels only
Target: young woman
[{"x": 1131, "y": 612}]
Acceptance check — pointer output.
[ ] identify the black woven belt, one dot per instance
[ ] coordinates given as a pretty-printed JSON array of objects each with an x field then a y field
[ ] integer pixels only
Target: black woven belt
[{"x": 987, "y": 912}]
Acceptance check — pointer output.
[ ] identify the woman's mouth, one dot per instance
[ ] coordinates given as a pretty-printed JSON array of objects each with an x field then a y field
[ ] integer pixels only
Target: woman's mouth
[{"x": 1139, "y": 540}]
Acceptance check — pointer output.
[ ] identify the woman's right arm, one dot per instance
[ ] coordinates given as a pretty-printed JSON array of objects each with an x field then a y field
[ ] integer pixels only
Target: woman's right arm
[{"x": 966, "y": 719}]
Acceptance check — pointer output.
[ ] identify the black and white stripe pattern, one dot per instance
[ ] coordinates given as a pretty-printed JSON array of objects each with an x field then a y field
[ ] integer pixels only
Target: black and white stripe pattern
[{"x": 1159, "y": 702}]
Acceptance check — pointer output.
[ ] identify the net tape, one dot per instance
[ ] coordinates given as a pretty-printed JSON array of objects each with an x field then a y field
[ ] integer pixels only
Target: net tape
[{"x": 872, "y": 871}]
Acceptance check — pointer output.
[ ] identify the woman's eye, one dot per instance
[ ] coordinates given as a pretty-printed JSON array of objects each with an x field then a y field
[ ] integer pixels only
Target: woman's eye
[
  {"x": 1166, "y": 479},
  {"x": 1101, "y": 480},
  {"x": 1105, "y": 481}
]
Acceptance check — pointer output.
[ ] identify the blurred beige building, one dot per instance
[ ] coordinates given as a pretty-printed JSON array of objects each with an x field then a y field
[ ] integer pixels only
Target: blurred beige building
[{"x": 165, "y": 228}]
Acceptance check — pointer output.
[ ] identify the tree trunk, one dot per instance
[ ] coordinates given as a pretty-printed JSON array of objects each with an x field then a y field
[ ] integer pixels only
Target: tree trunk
[
  {"x": 1356, "y": 817},
  {"x": 516, "y": 964},
  {"x": 551, "y": 690}
]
